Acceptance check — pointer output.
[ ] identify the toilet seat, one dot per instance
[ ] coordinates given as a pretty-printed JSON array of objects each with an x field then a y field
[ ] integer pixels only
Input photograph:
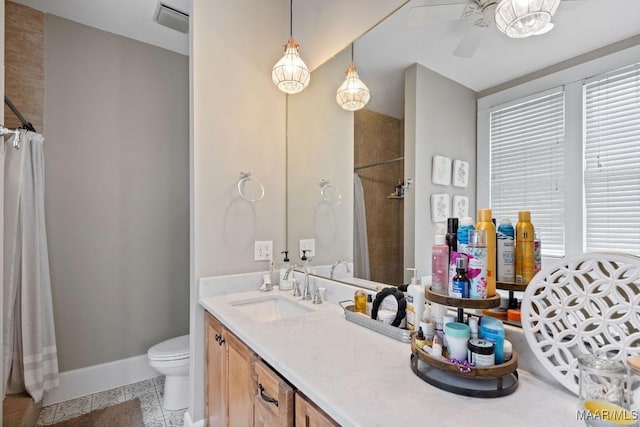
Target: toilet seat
[{"x": 169, "y": 350}]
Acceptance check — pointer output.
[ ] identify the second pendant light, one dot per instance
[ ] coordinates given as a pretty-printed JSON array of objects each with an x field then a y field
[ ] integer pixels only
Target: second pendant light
[{"x": 352, "y": 94}]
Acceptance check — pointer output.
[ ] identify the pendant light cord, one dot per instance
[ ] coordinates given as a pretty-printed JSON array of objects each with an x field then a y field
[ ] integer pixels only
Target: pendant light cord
[
  {"x": 352, "y": 52},
  {"x": 291, "y": 19}
]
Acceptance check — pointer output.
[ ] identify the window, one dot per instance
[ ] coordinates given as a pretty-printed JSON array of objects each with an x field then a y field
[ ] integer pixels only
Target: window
[
  {"x": 527, "y": 165},
  {"x": 612, "y": 161}
]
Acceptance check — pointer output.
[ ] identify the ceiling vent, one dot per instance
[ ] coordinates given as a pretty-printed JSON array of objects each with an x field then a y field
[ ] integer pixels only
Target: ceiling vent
[{"x": 172, "y": 18}]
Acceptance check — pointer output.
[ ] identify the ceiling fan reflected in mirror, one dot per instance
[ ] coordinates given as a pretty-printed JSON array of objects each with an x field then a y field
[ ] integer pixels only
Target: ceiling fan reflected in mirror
[{"x": 515, "y": 18}]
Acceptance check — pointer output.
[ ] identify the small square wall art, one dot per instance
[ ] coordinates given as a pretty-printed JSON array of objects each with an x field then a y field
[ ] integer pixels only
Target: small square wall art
[
  {"x": 439, "y": 207},
  {"x": 441, "y": 170},
  {"x": 460, "y": 173},
  {"x": 460, "y": 206}
]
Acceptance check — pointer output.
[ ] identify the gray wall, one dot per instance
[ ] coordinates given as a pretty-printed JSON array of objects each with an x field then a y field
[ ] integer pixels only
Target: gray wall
[
  {"x": 440, "y": 119},
  {"x": 117, "y": 192},
  {"x": 238, "y": 124}
]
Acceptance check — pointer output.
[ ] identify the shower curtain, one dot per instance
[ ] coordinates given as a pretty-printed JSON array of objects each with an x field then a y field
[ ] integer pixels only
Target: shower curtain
[
  {"x": 30, "y": 355},
  {"x": 360, "y": 241}
]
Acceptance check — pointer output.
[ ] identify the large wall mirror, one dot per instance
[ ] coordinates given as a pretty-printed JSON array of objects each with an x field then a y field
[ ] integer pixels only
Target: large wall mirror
[{"x": 426, "y": 67}]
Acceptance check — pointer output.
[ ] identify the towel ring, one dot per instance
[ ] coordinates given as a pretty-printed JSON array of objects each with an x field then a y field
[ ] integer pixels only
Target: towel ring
[
  {"x": 245, "y": 178},
  {"x": 329, "y": 193}
]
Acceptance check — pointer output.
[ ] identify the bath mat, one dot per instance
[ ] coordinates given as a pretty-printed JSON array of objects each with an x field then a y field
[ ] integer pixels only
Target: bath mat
[{"x": 126, "y": 414}]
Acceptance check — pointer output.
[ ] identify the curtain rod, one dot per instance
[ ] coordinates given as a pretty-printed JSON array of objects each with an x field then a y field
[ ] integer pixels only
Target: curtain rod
[
  {"x": 384, "y": 162},
  {"x": 25, "y": 124}
]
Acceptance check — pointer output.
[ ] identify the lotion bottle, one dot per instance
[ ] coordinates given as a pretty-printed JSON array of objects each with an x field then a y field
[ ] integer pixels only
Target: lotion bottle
[
  {"x": 415, "y": 302},
  {"x": 440, "y": 262}
]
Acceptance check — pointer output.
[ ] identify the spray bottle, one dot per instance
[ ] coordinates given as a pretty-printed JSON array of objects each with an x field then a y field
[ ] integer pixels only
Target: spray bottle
[
  {"x": 485, "y": 223},
  {"x": 525, "y": 249}
]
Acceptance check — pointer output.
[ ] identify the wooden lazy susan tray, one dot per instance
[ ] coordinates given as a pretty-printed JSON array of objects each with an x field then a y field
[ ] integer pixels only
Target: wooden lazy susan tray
[{"x": 494, "y": 381}]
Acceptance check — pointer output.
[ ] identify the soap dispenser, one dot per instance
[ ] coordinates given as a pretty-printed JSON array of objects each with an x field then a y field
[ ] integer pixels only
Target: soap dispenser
[
  {"x": 274, "y": 274},
  {"x": 415, "y": 302},
  {"x": 306, "y": 292},
  {"x": 285, "y": 265}
]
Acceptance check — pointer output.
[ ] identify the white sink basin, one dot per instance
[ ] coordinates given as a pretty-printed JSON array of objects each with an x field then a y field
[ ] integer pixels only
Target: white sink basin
[{"x": 270, "y": 308}]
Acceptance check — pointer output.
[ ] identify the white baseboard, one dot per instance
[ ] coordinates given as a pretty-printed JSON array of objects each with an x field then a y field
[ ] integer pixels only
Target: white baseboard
[
  {"x": 188, "y": 422},
  {"x": 93, "y": 379}
]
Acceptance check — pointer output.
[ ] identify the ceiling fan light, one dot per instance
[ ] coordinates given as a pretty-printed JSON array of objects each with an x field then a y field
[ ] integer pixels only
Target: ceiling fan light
[
  {"x": 290, "y": 73},
  {"x": 352, "y": 94},
  {"x": 524, "y": 18}
]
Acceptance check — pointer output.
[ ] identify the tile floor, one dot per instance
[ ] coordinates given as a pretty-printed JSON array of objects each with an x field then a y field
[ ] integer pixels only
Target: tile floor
[{"x": 149, "y": 392}]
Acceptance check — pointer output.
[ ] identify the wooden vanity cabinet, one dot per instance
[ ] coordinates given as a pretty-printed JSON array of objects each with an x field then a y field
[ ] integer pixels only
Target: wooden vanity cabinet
[
  {"x": 241, "y": 390},
  {"x": 274, "y": 402},
  {"x": 229, "y": 377},
  {"x": 309, "y": 415}
]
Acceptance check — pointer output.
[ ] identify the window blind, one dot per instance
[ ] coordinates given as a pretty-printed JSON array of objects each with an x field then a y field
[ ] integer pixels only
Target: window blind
[
  {"x": 612, "y": 161},
  {"x": 527, "y": 165}
]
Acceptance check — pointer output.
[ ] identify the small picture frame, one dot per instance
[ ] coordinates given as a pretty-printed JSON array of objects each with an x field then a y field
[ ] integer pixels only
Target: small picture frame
[
  {"x": 441, "y": 170},
  {"x": 439, "y": 207},
  {"x": 460, "y": 174},
  {"x": 460, "y": 206}
]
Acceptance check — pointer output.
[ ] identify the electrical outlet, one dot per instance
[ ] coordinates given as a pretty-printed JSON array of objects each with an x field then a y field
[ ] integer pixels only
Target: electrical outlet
[
  {"x": 308, "y": 245},
  {"x": 263, "y": 250}
]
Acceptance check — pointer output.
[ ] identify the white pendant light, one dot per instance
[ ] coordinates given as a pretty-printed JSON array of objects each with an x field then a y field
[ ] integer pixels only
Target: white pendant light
[
  {"x": 291, "y": 74},
  {"x": 352, "y": 94},
  {"x": 524, "y": 18}
]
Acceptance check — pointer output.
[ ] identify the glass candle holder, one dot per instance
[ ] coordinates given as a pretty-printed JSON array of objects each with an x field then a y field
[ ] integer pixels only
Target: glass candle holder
[{"x": 602, "y": 379}]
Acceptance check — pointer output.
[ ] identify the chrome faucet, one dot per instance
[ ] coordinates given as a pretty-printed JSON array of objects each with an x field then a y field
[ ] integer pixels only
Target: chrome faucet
[
  {"x": 317, "y": 298},
  {"x": 337, "y": 263},
  {"x": 296, "y": 289},
  {"x": 288, "y": 271},
  {"x": 306, "y": 292}
]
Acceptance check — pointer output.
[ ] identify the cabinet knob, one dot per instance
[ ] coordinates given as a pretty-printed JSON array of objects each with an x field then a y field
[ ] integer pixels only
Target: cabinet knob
[
  {"x": 218, "y": 337},
  {"x": 266, "y": 398},
  {"x": 221, "y": 341}
]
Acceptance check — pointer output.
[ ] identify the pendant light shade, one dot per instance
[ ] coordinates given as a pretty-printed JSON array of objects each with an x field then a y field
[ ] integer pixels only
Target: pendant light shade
[
  {"x": 524, "y": 18},
  {"x": 291, "y": 74},
  {"x": 352, "y": 94}
]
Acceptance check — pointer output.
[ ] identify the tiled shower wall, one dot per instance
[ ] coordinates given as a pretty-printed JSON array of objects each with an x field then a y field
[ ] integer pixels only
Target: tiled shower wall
[
  {"x": 24, "y": 64},
  {"x": 378, "y": 138}
]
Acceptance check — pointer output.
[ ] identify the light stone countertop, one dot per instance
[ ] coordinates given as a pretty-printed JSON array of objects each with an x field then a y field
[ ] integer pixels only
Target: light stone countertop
[{"x": 362, "y": 378}]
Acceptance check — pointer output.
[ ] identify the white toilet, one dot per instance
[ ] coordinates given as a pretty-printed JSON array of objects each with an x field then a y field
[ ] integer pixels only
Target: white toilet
[{"x": 171, "y": 359}]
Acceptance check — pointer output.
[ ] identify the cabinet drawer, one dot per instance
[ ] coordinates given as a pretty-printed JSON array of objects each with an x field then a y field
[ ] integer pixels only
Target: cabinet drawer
[
  {"x": 309, "y": 415},
  {"x": 274, "y": 401}
]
